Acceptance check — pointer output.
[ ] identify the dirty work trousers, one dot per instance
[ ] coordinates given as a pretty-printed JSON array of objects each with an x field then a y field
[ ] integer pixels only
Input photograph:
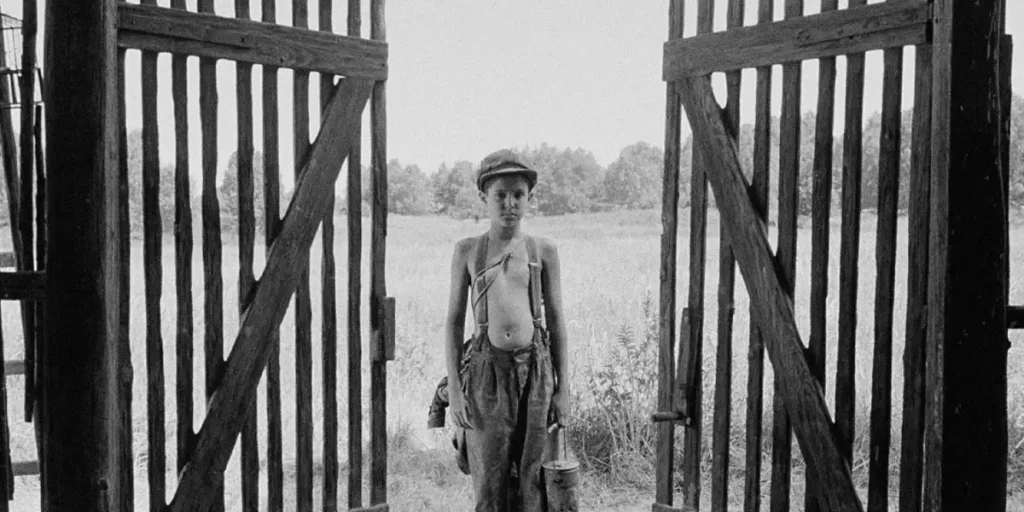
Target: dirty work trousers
[{"x": 509, "y": 392}]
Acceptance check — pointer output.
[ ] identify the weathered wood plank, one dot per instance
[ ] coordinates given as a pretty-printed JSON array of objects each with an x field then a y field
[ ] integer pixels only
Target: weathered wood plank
[
  {"x": 664, "y": 485},
  {"x": 692, "y": 432},
  {"x": 28, "y": 150},
  {"x": 29, "y": 285},
  {"x": 885, "y": 281},
  {"x": 246, "y": 249},
  {"x": 821, "y": 213},
  {"x": 125, "y": 495},
  {"x": 270, "y": 298},
  {"x": 354, "y": 201},
  {"x": 213, "y": 285},
  {"x": 378, "y": 289},
  {"x": 755, "y": 353},
  {"x": 789, "y": 194},
  {"x": 6, "y": 472},
  {"x": 912, "y": 446},
  {"x": 85, "y": 408},
  {"x": 183, "y": 247},
  {"x": 152, "y": 251},
  {"x": 203, "y": 35},
  {"x": 774, "y": 309},
  {"x": 303, "y": 301},
  {"x": 846, "y": 352},
  {"x": 722, "y": 420},
  {"x": 857, "y": 29},
  {"x": 968, "y": 230},
  {"x": 272, "y": 226}
]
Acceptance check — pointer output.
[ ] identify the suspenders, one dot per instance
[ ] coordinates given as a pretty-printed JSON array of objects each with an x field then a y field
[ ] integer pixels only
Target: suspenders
[{"x": 480, "y": 285}]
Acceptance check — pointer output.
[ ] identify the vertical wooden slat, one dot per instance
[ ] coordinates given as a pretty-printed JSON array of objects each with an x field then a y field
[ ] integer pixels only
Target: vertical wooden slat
[
  {"x": 378, "y": 290},
  {"x": 789, "y": 170},
  {"x": 303, "y": 303},
  {"x": 722, "y": 430},
  {"x": 355, "y": 350},
  {"x": 246, "y": 248},
  {"x": 821, "y": 211},
  {"x": 213, "y": 303},
  {"x": 182, "y": 253},
  {"x": 272, "y": 225},
  {"x": 85, "y": 410},
  {"x": 759, "y": 187},
  {"x": 153, "y": 268},
  {"x": 885, "y": 282},
  {"x": 329, "y": 327},
  {"x": 28, "y": 154},
  {"x": 846, "y": 353},
  {"x": 7, "y": 475},
  {"x": 695, "y": 301},
  {"x": 667, "y": 303},
  {"x": 126, "y": 460},
  {"x": 30, "y": 356}
]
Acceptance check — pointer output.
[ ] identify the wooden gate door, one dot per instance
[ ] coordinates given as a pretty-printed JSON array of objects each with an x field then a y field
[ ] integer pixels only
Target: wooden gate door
[{"x": 768, "y": 275}]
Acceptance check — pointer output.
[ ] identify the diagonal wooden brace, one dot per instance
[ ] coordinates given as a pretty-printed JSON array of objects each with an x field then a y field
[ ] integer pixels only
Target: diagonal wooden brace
[
  {"x": 773, "y": 309},
  {"x": 232, "y": 399}
]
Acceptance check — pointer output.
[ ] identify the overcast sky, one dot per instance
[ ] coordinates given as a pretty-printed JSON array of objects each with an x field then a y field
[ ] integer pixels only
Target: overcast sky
[{"x": 470, "y": 76}]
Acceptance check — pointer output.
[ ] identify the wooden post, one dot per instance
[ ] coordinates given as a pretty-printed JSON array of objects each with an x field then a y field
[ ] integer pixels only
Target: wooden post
[
  {"x": 84, "y": 414},
  {"x": 966, "y": 384}
]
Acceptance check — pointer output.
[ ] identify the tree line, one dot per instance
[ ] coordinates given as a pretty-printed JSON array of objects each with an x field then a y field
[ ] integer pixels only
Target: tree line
[{"x": 571, "y": 180}]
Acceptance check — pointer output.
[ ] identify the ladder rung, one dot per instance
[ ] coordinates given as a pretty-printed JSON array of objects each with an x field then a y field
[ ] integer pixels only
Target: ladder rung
[
  {"x": 25, "y": 467},
  {"x": 22, "y": 285},
  {"x": 14, "y": 368}
]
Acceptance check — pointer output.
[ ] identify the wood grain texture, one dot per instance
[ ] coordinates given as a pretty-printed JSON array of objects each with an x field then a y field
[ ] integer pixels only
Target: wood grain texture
[
  {"x": 378, "y": 288},
  {"x": 912, "y": 442},
  {"x": 174, "y": 31},
  {"x": 213, "y": 281},
  {"x": 152, "y": 251},
  {"x": 968, "y": 230},
  {"x": 803, "y": 397},
  {"x": 329, "y": 311},
  {"x": 846, "y": 352},
  {"x": 30, "y": 354},
  {"x": 183, "y": 250},
  {"x": 270, "y": 299},
  {"x": 821, "y": 213},
  {"x": 853, "y": 30},
  {"x": 722, "y": 420},
  {"x": 354, "y": 202},
  {"x": 755, "y": 354},
  {"x": 885, "y": 281},
  {"x": 85, "y": 418},
  {"x": 789, "y": 194},
  {"x": 303, "y": 300},
  {"x": 272, "y": 226},
  {"x": 125, "y": 497},
  {"x": 664, "y": 485},
  {"x": 246, "y": 252},
  {"x": 27, "y": 153},
  {"x": 692, "y": 435}
]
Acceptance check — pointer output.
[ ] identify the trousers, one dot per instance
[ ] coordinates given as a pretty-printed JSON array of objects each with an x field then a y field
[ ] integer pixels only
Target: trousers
[{"x": 509, "y": 396}]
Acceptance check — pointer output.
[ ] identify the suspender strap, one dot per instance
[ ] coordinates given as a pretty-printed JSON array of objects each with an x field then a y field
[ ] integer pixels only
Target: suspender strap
[
  {"x": 480, "y": 284},
  {"x": 535, "y": 282}
]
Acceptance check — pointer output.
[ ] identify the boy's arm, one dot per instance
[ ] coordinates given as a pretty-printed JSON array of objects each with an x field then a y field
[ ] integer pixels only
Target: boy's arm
[
  {"x": 552, "y": 289},
  {"x": 455, "y": 322}
]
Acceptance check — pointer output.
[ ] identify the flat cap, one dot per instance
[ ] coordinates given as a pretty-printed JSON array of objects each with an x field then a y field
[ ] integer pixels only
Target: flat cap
[{"x": 500, "y": 163}]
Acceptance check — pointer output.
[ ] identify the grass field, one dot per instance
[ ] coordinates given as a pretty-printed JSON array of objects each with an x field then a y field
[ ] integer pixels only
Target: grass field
[{"x": 610, "y": 282}]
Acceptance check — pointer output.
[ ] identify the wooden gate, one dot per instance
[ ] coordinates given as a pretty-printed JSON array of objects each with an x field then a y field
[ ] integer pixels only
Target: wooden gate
[
  {"x": 799, "y": 405},
  {"x": 351, "y": 71}
]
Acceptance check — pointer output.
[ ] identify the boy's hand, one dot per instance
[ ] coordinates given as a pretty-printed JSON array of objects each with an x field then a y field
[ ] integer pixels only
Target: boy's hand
[
  {"x": 459, "y": 412},
  {"x": 560, "y": 409}
]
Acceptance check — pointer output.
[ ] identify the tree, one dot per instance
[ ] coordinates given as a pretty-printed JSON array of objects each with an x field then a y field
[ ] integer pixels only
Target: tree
[
  {"x": 408, "y": 189},
  {"x": 634, "y": 180},
  {"x": 227, "y": 194},
  {"x": 135, "y": 182},
  {"x": 570, "y": 181},
  {"x": 455, "y": 192}
]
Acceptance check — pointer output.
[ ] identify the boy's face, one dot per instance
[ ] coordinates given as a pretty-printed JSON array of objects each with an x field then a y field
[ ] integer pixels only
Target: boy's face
[{"x": 507, "y": 198}]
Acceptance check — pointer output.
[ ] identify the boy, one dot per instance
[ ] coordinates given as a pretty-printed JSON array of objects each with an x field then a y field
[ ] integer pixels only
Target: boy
[{"x": 515, "y": 381}]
